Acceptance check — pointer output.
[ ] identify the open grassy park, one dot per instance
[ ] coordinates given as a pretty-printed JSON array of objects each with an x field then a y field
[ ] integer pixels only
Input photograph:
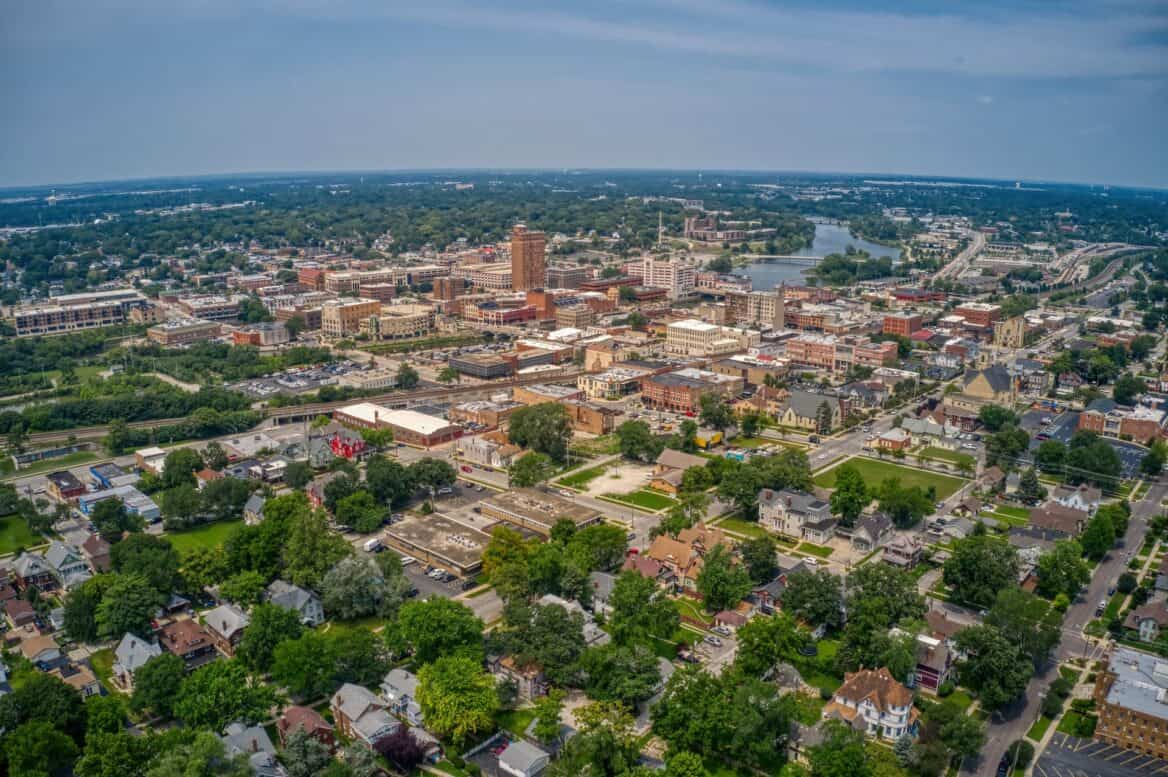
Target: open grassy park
[
  {"x": 582, "y": 477},
  {"x": 648, "y": 500},
  {"x": 876, "y": 472},
  {"x": 207, "y": 536},
  {"x": 952, "y": 457},
  {"x": 15, "y": 534}
]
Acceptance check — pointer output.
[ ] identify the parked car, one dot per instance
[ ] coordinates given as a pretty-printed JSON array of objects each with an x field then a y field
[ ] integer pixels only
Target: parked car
[
  {"x": 725, "y": 632},
  {"x": 713, "y": 641}
]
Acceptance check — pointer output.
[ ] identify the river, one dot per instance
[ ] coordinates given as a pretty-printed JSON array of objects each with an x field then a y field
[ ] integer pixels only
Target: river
[{"x": 829, "y": 239}]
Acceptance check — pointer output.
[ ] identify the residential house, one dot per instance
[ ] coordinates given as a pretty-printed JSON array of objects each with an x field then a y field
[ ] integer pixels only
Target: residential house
[
  {"x": 293, "y": 597},
  {"x": 189, "y": 641},
  {"x": 895, "y": 439},
  {"x": 253, "y": 509},
  {"x": 1066, "y": 520},
  {"x": 941, "y": 528},
  {"x": 730, "y": 619},
  {"x": 254, "y": 743},
  {"x": 31, "y": 569},
  {"x": 593, "y": 634},
  {"x": 646, "y": 567},
  {"x": 872, "y": 701},
  {"x": 672, "y": 460},
  {"x": 681, "y": 559},
  {"x": 68, "y": 567},
  {"x": 307, "y": 720},
  {"x": 96, "y": 552},
  {"x": 523, "y": 759},
  {"x": 804, "y": 410},
  {"x": 935, "y": 661},
  {"x": 601, "y": 583},
  {"x": 767, "y": 597},
  {"x": 431, "y": 747},
  {"x": 871, "y": 532},
  {"x": 993, "y": 479},
  {"x": 360, "y": 714},
  {"x": 530, "y": 681},
  {"x": 41, "y": 650},
  {"x": 226, "y": 624},
  {"x": 796, "y": 514},
  {"x": 903, "y": 552},
  {"x": 400, "y": 691},
  {"x": 130, "y": 655},
  {"x": 1148, "y": 619},
  {"x": 1083, "y": 498},
  {"x": 19, "y": 612}
]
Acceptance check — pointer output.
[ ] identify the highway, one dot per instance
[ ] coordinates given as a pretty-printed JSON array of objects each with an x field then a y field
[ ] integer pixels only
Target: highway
[{"x": 959, "y": 265}]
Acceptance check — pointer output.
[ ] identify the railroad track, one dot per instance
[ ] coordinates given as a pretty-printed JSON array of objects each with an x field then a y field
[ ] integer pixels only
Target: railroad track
[{"x": 316, "y": 408}]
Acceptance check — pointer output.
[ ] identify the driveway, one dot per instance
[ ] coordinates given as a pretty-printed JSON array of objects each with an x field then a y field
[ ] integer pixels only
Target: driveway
[{"x": 1069, "y": 756}]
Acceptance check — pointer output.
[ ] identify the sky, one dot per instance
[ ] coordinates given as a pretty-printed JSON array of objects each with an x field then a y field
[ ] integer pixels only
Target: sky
[{"x": 1073, "y": 90}]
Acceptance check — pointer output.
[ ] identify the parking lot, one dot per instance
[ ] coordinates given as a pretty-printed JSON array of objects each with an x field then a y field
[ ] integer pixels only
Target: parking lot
[{"x": 1070, "y": 756}]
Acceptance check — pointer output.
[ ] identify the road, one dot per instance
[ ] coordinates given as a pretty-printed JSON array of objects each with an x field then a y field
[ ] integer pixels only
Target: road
[
  {"x": 961, "y": 263},
  {"x": 1015, "y": 721}
]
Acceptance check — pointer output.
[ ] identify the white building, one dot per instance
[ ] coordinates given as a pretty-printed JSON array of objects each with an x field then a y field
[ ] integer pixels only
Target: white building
[
  {"x": 673, "y": 275},
  {"x": 691, "y": 337}
]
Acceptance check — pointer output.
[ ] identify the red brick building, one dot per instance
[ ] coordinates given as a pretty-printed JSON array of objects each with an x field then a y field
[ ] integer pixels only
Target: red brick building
[{"x": 902, "y": 324}]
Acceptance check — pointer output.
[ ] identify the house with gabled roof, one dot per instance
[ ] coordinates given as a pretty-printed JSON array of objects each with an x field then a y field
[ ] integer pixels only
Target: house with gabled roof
[
  {"x": 307, "y": 720},
  {"x": 68, "y": 567},
  {"x": 31, "y": 569},
  {"x": 292, "y": 597},
  {"x": 873, "y": 701},
  {"x": 400, "y": 691},
  {"x": 360, "y": 714},
  {"x": 130, "y": 655},
  {"x": 796, "y": 514},
  {"x": 189, "y": 641},
  {"x": 226, "y": 624},
  {"x": 871, "y": 532}
]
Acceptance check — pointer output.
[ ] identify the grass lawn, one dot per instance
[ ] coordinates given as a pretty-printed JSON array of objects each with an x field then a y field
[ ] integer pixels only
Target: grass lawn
[
  {"x": 739, "y": 526},
  {"x": 692, "y": 610},
  {"x": 54, "y": 464},
  {"x": 1006, "y": 518},
  {"x": 515, "y": 721},
  {"x": 875, "y": 472},
  {"x": 605, "y": 445},
  {"x": 1013, "y": 512},
  {"x": 815, "y": 550},
  {"x": 1038, "y": 729},
  {"x": 1070, "y": 673},
  {"x": 451, "y": 769},
  {"x": 582, "y": 477},
  {"x": 207, "y": 536},
  {"x": 960, "y": 698},
  {"x": 1142, "y": 491},
  {"x": 808, "y": 709},
  {"x": 14, "y": 534},
  {"x": 1069, "y": 723},
  {"x": 748, "y": 442},
  {"x": 645, "y": 499},
  {"x": 103, "y": 667},
  {"x": 941, "y": 454},
  {"x": 1113, "y": 606}
]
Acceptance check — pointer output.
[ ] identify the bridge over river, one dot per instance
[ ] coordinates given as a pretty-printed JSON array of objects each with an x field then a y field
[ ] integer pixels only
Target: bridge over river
[{"x": 786, "y": 259}]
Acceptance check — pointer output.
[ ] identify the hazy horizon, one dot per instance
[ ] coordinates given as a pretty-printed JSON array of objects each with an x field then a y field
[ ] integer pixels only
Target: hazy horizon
[{"x": 1001, "y": 90}]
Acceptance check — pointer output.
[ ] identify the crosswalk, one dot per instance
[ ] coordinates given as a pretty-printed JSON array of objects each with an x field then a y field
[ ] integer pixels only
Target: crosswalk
[{"x": 1070, "y": 756}]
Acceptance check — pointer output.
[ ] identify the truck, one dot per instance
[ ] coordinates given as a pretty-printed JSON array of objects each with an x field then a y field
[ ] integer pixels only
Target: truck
[{"x": 372, "y": 545}]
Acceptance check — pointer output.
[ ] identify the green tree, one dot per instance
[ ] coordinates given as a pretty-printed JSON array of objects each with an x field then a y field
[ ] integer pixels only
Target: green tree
[
  {"x": 179, "y": 468},
  {"x": 181, "y": 506},
  {"x": 824, "y": 418},
  {"x": 297, "y": 475},
  {"x": 721, "y": 582},
  {"x": 637, "y": 442},
  {"x": 763, "y": 642},
  {"x": 154, "y": 558},
  {"x": 1030, "y": 490},
  {"x": 37, "y": 748},
  {"x": 841, "y": 754},
  {"x": 305, "y": 665},
  {"x": 127, "y": 605},
  {"x": 304, "y": 755},
  {"x": 905, "y": 505},
  {"x": 457, "y": 697},
  {"x": 81, "y": 608},
  {"x": 440, "y": 627},
  {"x": 214, "y": 457},
  {"x": 895, "y": 590},
  {"x": 979, "y": 567},
  {"x": 759, "y": 556},
  {"x": 531, "y": 470},
  {"x": 995, "y": 667},
  {"x": 1127, "y": 389},
  {"x": 544, "y": 428},
  {"x": 1061, "y": 570},
  {"x": 360, "y": 511},
  {"x": 356, "y": 587},
  {"x": 407, "y": 377},
  {"x": 270, "y": 625},
  {"x": 244, "y": 588},
  {"x": 620, "y": 673},
  {"x": 433, "y": 473},
  {"x": 715, "y": 411},
  {"x": 1026, "y": 621},
  {"x": 1051, "y": 456},
  {"x": 221, "y": 692},
  {"x": 995, "y": 417},
  {"x": 1099, "y": 536},
  {"x": 311, "y": 548},
  {"x": 850, "y": 496},
  {"x": 202, "y": 754},
  {"x": 547, "y": 716},
  {"x": 815, "y": 597},
  {"x": 156, "y": 684},
  {"x": 1005, "y": 447},
  {"x": 447, "y": 375},
  {"x": 640, "y": 611},
  {"x": 1092, "y": 460},
  {"x": 1154, "y": 461},
  {"x": 388, "y": 481},
  {"x": 112, "y": 520},
  {"x": 104, "y": 715}
]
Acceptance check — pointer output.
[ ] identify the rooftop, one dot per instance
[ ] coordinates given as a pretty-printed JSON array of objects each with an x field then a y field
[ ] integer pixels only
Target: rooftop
[
  {"x": 1141, "y": 682},
  {"x": 442, "y": 537},
  {"x": 540, "y": 508}
]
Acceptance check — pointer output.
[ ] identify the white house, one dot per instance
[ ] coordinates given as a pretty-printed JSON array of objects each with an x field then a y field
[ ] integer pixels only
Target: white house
[
  {"x": 873, "y": 701},
  {"x": 293, "y": 597},
  {"x": 796, "y": 514}
]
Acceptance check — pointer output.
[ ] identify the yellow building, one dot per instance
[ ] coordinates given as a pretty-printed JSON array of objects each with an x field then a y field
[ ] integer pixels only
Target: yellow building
[{"x": 344, "y": 317}]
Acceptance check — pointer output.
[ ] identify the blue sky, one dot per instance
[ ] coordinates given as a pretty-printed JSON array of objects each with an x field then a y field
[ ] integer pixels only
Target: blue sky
[{"x": 101, "y": 89}]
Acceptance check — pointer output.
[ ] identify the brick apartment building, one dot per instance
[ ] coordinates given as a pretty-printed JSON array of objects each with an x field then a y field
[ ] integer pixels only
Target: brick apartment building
[{"x": 902, "y": 324}]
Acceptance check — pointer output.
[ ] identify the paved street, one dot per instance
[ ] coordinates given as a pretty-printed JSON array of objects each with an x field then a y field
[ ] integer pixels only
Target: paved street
[
  {"x": 1069, "y": 756},
  {"x": 1013, "y": 722}
]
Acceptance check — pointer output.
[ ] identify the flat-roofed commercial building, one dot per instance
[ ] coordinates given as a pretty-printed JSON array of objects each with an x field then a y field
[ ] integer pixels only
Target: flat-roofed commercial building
[
  {"x": 408, "y": 426},
  {"x": 613, "y": 383},
  {"x": 902, "y": 324},
  {"x": 483, "y": 412},
  {"x": 263, "y": 335},
  {"x": 575, "y": 316},
  {"x": 74, "y": 312},
  {"x": 757, "y": 308},
  {"x": 496, "y": 275},
  {"x": 439, "y": 541},
  {"x": 211, "y": 307},
  {"x": 536, "y": 511},
  {"x": 482, "y": 365},
  {"x": 311, "y": 316},
  {"x": 1131, "y": 696},
  {"x": 540, "y": 393},
  {"x": 397, "y": 322},
  {"x": 691, "y": 337},
  {"x": 982, "y": 314},
  {"x": 183, "y": 331},
  {"x": 681, "y": 390},
  {"x": 344, "y": 317},
  {"x": 561, "y": 277}
]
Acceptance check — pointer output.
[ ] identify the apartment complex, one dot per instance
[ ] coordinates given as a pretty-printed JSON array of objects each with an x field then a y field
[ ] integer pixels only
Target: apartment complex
[
  {"x": 673, "y": 275},
  {"x": 765, "y": 309},
  {"x": 183, "y": 331},
  {"x": 399, "y": 321},
  {"x": 902, "y": 324},
  {"x": 527, "y": 259},
  {"x": 1140, "y": 423},
  {"x": 691, "y": 337},
  {"x": 211, "y": 307},
  {"x": 562, "y": 277},
  {"x": 344, "y": 317},
  {"x": 1131, "y": 696},
  {"x": 838, "y": 354},
  {"x": 262, "y": 335},
  {"x": 73, "y": 312},
  {"x": 496, "y": 276}
]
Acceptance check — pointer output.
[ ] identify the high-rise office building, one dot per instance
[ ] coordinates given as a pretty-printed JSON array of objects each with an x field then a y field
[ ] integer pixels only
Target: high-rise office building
[{"x": 528, "y": 266}]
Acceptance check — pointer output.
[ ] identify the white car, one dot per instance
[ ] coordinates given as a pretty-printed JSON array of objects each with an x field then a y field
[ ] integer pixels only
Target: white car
[{"x": 407, "y": 560}]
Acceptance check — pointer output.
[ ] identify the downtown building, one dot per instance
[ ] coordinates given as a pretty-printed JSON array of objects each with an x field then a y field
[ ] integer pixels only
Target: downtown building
[
  {"x": 74, "y": 312},
  {"x": 528, "y": 261},
  {"x": 691, "y": 337}
]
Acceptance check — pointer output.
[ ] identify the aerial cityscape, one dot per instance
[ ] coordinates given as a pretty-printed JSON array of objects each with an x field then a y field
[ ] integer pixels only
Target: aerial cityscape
[{"x": 553, "y": 445}]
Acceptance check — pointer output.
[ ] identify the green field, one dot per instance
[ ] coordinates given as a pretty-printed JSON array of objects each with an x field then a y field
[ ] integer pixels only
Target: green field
[
  {"x": 208, "y": 536},
  {"x": 14, "y": 534},
  {"x": 644, "y": 499},
  {"x": 739, "y": 526},
  {"x": 876, "y": 472},
  {"x": 605, "y": 445},
  {"x": 941, "y": 454},
  {"x": 815, "y": 550},
  {"x": 582, "y": 477}
]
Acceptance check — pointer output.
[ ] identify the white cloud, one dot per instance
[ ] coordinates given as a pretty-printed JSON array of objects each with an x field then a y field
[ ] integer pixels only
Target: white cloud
[{"x": 985, "y": 99}]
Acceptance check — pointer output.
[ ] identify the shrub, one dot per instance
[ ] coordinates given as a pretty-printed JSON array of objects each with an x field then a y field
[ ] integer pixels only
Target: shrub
[
  {"x": 1082, "y": 705},
  {"x": 1127, "y": 583},
  {"x": 825, "y": 694},
  {"x": 1085, "y": 727},
  {"x": 944, "y": 689},
  {"x": 1052, "y": 705},
  {"x": 1021, "y": 750},
  {"x": 1061, "y": 687}
]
